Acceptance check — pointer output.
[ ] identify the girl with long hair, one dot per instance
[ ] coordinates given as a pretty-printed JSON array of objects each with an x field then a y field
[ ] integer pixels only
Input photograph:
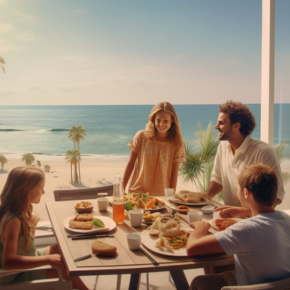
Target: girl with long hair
[
  {"x": 25, "y": 186},
  {"x": 156, "y": 153}
]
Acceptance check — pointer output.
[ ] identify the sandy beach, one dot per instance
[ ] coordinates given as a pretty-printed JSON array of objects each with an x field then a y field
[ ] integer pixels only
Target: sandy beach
[{"x": 96, "y": 173}]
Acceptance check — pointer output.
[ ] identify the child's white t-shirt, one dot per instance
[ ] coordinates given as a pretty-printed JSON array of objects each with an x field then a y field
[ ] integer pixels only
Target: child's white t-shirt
[{"x": 261, "y": 247}]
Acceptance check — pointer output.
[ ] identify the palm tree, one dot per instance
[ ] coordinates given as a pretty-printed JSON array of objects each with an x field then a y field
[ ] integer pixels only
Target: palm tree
[
  {"x": 28, "y": 158},
  {"x": 77, "y": 133},
  {"x": 280, "y": 150},
  {"x": 3, "y": 160},
  {"x": 2, "y": 61},
  {"x": 74, "y": 157},
  {"x": 200, "y": 159}
]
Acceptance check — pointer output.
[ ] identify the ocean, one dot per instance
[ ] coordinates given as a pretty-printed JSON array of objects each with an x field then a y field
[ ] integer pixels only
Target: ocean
[{"x": 43, "y": 130}]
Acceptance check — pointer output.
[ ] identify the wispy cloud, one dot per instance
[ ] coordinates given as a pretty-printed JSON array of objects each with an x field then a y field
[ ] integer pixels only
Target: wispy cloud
[
  {"x": 23, "y": 17},
  {"x": 5, "y": 27},
  {"x": 233, "y": 61},
  {"x": 27, "y": 36},
  {"x": 8, "y": 46},
  {"x": 73, "y": 11}
]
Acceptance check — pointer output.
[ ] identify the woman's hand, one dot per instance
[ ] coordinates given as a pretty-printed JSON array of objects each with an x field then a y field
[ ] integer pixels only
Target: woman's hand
[
  {"x": 55, "y": 261},
  {"x": 233, "y": 212}
]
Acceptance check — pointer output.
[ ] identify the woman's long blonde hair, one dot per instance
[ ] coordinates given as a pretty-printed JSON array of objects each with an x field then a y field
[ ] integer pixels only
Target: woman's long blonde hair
[
  {"x": 14, "y": 197},
  {"x": 174, "y": 133}
]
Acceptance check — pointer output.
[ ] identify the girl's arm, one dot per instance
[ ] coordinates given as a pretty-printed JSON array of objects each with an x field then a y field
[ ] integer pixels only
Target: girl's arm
[
  {"x": 174, "y": 175},
  {"x": 129, "y": 168},
  {"x": 12, "y": 261}
]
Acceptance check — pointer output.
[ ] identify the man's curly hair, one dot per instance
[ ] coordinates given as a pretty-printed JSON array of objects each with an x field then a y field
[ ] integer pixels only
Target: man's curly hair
[{"x": 239, "y": 112}]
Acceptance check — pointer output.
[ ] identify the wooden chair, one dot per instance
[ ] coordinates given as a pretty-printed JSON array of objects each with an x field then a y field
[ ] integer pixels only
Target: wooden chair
[
  {"x": 52, "y": 284},
  {"x": 278, "y": 285},
  {"x": 83, "y": 194}
]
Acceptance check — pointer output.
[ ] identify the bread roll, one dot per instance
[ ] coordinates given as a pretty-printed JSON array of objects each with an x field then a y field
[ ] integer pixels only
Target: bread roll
[
  {"x": 80, "y": 225},
  {"x": 103, "y": 249}
]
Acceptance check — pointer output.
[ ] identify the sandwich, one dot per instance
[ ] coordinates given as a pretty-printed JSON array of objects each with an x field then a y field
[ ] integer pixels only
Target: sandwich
[{"x": 172, "y": 236}]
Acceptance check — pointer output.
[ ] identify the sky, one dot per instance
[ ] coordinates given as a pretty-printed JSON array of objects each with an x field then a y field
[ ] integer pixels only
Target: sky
[{"x": 103, "y": 52}]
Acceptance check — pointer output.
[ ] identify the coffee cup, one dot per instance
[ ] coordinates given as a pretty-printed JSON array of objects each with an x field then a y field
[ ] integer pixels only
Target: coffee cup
[
  {"x": 102, "y": 203},
  {"x": 194, "y": 216},
  {"x": 169, "y": 192},
  {"x": 134, "y": 241},
  {"x": 136, "y": 216}
]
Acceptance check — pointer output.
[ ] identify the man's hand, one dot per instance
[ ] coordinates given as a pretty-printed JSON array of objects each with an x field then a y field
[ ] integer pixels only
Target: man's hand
[
  {"x": 204, "y": 226},
  {"x": 233, "y": 212}
]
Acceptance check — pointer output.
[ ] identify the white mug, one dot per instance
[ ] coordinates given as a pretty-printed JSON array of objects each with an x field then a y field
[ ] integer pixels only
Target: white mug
[
  {"x": 134, "y": 241},
  {"x": 136, "y": 216},
  {"x": 102, "y": 203},
  {"x": 194, "y": 216}
]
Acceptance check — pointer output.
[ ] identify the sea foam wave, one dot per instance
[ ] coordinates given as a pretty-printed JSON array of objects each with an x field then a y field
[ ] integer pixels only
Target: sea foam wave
[{"x": 38, "y": 130}]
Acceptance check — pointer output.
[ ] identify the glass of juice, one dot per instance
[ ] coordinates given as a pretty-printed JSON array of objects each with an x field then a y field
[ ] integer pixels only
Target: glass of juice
[{"x": 118, "y": 200}]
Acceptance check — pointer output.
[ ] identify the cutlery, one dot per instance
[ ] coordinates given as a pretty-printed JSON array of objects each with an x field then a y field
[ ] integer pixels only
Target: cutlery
[
  {"x": 149, "y": 257},
  {"x": 91, "y": 237},
  {"x": 82, "y": 258},
  {"x": 43, "y": 228},
  {"x": 85, "y": 234}
]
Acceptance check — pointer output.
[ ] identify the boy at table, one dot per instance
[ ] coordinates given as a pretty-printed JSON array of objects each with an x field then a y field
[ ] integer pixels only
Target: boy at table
[{"x": 260, "y": 244}]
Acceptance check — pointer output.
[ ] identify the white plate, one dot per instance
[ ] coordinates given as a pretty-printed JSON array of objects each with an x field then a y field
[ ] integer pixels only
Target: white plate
[
  {"x": 150, "y": 243},
  {"x": 109, "y": 225},
  {"x": 210, "y": 222},
  {"x": 179, "y": 201}
]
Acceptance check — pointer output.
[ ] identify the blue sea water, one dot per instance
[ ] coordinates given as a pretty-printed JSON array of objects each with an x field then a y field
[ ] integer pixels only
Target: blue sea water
[{"x": 44, "y": 129}]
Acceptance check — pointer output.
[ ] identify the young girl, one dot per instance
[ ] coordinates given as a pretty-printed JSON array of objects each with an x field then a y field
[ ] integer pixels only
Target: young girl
[
  {"x": 23, "y": 187},
  {"x": 156, "y": 153}
]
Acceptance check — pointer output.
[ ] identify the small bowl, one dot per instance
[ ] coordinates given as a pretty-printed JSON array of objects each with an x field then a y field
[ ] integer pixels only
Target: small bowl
[
  {"x": 87, "y": 209},
  {"x": 84, "y": 209},
  {"x": 207, "y": 209}
]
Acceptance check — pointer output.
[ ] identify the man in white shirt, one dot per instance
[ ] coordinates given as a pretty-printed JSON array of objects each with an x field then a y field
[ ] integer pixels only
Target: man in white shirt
[
  {"x": 260, "y": 244},
  {"x": 235, "y": 124}
]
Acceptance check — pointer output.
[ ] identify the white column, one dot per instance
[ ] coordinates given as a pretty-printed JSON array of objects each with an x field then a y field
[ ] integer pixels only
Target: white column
[{"x": 267, "y": 72}]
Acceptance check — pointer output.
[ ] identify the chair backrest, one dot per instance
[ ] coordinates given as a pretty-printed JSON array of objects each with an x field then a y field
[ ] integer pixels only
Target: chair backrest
[
  {"x": 83, "y": 193},
  {"x": 52, "y": 284},
  {"x": 278, "y": 285}
]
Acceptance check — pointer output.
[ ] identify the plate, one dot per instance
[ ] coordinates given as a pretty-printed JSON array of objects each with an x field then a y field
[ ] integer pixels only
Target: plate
[
  {"x": 150, "y": 243},
  {"x": 109, "y": 225},
  {"x": 210, "y": 222},
  {"x": 179, "y": 201}
]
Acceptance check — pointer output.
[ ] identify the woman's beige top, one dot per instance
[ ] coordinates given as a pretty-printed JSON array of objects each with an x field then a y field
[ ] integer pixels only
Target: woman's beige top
[{"x": 153, "y": 166}]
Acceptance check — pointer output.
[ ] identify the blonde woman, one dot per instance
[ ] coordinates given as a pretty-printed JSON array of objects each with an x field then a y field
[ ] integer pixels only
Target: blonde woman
[
  {"x": 156, "y": 153},
  {"x": 25, "y": 186}
]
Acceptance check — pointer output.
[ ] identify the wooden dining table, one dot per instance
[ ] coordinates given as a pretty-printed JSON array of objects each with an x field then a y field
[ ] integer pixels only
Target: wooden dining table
[{"x": 126, "y": 261}]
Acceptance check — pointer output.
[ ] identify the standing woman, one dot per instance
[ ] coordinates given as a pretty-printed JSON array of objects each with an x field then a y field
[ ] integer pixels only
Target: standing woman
[{"x": 156, "y": 153}]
